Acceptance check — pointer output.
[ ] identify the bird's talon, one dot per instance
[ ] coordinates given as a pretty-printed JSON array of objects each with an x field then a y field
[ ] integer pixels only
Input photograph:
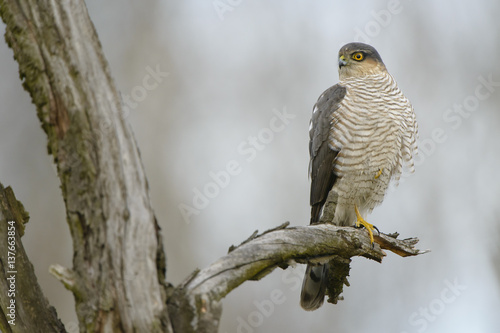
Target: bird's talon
[
  {"x": 379, "y": 173},
  {"x": 369, "y": 227}
]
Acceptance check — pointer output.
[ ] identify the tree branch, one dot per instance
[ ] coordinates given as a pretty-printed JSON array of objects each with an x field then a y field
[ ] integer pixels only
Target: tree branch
[
  {"x": 199, "y": 296},
  {"x": 19, "y": 287},
  {"x": 119, "y": 264}
]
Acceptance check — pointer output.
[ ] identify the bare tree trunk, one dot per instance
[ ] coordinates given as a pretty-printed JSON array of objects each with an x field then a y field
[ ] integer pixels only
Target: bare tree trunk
[
  {"x": 118, "y": 274},
  {"x": 20, "y": 291},
  {"x": 119, "y": 265}
]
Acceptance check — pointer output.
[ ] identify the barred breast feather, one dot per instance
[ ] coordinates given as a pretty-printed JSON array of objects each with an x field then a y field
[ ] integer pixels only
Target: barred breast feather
[{"x": 373, "y": 131}]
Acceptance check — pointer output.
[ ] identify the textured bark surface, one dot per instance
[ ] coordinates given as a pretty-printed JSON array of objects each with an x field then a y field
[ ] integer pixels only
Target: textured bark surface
[
  {"x": 198, "y": 297},
  {"x": 118, "y": 266},
  {"x": 23, "y": 307}
]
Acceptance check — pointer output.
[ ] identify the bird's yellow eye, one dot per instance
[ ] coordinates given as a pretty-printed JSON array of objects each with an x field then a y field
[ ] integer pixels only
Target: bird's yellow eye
[{"x": 358, "y": 56}]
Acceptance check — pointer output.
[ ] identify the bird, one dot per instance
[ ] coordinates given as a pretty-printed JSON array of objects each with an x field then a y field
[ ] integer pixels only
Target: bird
[{"x": 363, "y": 135}]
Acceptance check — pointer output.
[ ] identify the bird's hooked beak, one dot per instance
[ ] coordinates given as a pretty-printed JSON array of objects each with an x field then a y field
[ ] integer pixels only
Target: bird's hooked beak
[{"x": 342, "y": 61}]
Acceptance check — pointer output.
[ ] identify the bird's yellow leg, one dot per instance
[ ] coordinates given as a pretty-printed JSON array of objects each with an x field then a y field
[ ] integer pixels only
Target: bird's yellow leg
[
  {"x": 379, "y": 173},
  {"x": 361, "y": 222}
]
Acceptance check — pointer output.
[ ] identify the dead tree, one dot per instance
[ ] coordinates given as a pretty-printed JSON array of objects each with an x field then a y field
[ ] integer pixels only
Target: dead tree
[{"x": 119, "y": 264}]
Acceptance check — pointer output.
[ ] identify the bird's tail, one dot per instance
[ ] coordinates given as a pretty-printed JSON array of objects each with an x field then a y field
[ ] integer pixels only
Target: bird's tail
[{"x": 313, "y": 287}]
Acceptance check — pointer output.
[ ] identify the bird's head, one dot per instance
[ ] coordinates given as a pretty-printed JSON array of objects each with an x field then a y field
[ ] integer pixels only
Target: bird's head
[{"x": 358, "y": 59}]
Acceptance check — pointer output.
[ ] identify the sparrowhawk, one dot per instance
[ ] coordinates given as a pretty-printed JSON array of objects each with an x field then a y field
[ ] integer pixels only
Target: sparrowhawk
[{"x": 363, "y": 133}]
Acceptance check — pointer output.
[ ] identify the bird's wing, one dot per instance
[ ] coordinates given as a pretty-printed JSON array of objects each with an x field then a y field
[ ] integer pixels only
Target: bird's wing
[{"x": 322, "y": 156}]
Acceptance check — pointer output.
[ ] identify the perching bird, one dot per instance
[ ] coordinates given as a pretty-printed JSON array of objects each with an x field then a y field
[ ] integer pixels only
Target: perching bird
[{"x": 363, "y": 133}]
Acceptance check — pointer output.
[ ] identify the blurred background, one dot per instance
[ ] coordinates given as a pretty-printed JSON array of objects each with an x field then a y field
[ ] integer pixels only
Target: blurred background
[{"x": 236, "y": 81}]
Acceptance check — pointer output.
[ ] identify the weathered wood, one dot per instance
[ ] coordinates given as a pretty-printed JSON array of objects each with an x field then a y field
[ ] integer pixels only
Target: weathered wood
[
  {"x": 260, "y": 254},
  {"x": 23, "y": 307},
  {"x": 118, "y": 266}
]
